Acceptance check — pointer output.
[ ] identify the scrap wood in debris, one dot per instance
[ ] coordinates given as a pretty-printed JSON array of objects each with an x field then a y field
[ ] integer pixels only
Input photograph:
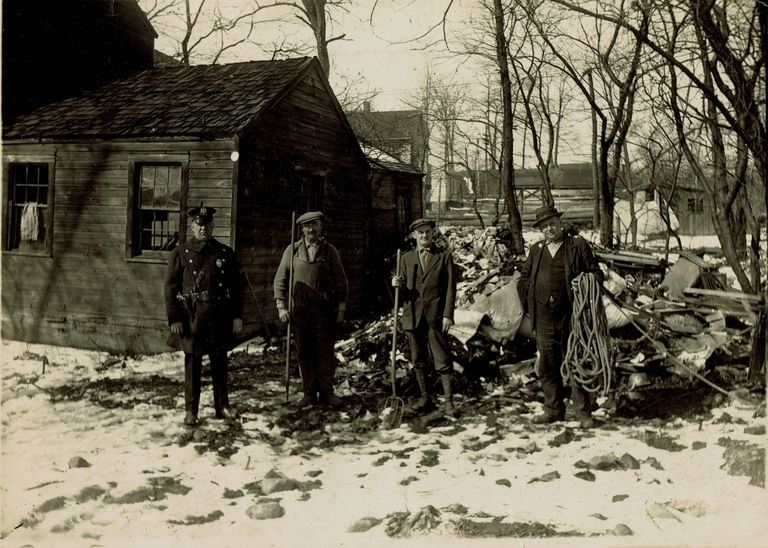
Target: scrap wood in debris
[
  {"x": 688, "y": 271},
  {"x": 752, "y": 299},
  {"x": 632, "y": 259}
]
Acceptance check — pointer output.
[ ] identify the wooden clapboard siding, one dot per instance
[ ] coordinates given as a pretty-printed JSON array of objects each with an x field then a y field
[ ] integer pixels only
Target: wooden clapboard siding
[
  {"x": 89, "y": 293},
  {"x": 89, "y": 278},
  {"x": 304, "y": 133}
]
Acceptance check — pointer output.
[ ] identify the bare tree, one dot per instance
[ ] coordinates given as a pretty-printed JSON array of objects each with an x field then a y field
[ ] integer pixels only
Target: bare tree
[
  {"x": 614, "y": 55},
  {"x": 209, "y": 28},
  {"x": 544, "y": 99},
  {"x": 718, "y": 48},
  {"x": 202, "y": 29}
]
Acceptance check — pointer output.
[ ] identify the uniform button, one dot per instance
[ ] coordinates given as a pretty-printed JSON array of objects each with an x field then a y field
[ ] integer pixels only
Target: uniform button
[
  {"x": 221, "y": 285},
  {"x": 194, "y": 272},
  {"x": 190, "y": 260},
  {"x": 187, "y": 250}
]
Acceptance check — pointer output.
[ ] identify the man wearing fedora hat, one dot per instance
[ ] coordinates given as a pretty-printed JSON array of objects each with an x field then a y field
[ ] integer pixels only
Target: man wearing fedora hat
[
  {"x": 205, "y": 310},
  {"x": 428, "y": 289},
  {"x": 547, "y": 297},
  {"x": 320, "y": 290}
]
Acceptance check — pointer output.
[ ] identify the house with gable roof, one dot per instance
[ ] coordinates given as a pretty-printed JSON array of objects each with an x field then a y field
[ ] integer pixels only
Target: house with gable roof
[{"x": 96, "y": 188}]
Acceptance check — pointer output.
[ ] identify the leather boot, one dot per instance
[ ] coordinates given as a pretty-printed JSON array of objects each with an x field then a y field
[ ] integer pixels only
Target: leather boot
[
  {"x": 448, "y": 408},
  {"x": 423, "y": 400}
]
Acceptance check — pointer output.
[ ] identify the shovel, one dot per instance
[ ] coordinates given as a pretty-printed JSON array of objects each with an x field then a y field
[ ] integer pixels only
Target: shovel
[{"x": 392, "y": 414}]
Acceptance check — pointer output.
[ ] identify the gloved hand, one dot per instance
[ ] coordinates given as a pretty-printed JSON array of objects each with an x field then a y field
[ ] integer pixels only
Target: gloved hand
[
  {"x": 176, "y": 328},
  {"x": 237, "y": 325}
]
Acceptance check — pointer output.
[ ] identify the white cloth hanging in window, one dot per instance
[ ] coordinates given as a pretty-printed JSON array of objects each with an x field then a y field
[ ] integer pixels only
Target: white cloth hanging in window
[{"x": 30, "y": 222}]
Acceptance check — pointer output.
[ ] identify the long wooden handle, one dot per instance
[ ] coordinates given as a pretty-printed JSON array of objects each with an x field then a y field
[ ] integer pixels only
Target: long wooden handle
[
  {"x": 394, "y": 323},
  {"x": 290, "y": 312}
]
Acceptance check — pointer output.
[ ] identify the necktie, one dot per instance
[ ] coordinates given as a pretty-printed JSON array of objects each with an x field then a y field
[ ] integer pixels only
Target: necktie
[{"x": 424, "y": 258}]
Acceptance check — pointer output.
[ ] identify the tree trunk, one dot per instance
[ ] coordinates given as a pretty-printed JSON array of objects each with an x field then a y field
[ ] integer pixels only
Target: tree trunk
[
  {"x": 507, "y": 174},
  {"x": 595, "y": 164},
  {"x": 315, "y": 11}
]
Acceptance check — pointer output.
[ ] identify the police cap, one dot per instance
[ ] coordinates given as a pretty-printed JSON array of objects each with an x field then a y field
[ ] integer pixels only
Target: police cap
[{"x": 202, "y": 215}]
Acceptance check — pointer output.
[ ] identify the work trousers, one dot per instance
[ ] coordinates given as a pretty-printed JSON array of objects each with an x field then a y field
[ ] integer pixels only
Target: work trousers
[
  {"x": 425, "y": 340},
  {"x": 315, "y": 327},
  {"x": 553, "y": 326},
  {"x": 193, "y": 366}
]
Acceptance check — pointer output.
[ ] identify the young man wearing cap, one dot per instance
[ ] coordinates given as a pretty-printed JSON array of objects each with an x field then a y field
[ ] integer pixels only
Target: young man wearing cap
[
  {"x": 546, "y": 294},
  {"x": 428, "y": 291},
  {"x": 205, "y": 309},
  {"x": 319, "y": 301}
]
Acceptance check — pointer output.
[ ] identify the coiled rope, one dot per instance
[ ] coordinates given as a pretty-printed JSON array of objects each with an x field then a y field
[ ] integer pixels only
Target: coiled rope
[{"x": 589, "y": 358}]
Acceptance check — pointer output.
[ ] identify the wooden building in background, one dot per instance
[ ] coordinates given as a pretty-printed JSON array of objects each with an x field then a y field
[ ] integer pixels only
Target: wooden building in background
[
  {"x": 396, "y": 201},
  {"x": 96, "y": 189}
]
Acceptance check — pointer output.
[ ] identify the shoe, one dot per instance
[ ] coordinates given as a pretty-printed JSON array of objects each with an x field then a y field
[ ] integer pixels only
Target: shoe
[
  {"x": 331, "y": 400},
  {"x": 190, "y": 419},
  {"x": 423, "y": 400},
  {"x": 421, "y": 403},
  {"x": 307, "y": 401},
  {"x": 586, "y": 422},
  {"x": 226, "y": 413},
  {"x": 449, "y": 409},
  {"x": 546, "y": 418}
]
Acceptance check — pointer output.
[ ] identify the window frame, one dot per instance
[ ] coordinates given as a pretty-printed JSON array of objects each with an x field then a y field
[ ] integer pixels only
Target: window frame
[
  {"x": 50, "y": 161},
  {"x": 403, "y": 210},
  {"x": 310, "y": 195},
  {"x": 134, "y": 207}
]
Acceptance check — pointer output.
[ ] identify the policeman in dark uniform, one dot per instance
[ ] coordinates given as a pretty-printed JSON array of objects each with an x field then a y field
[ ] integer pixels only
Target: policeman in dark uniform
[{"x": 205, "y": 309}]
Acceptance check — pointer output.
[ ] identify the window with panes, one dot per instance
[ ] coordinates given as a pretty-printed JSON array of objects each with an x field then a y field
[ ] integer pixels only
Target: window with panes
[
  {"x": 28, "y": 213},
  {"x": 157, "y": 210}
]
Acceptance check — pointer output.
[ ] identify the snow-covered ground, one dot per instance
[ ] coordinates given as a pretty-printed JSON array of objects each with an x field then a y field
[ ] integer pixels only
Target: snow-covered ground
[{"x": 152, "y": 482}]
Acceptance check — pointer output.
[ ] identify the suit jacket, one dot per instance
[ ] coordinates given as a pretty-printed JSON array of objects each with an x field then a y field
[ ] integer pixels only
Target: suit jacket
[
  {"x": 207, "y": 325},
  {"x": 578, "y": 259},
  {"x": 431, "y": 292}
]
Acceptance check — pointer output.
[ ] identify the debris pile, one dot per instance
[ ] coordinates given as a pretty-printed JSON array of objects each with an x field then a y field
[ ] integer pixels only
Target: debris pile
[
  {"x": 670, "y": 325},
  {"x": 483, "y": 258}
]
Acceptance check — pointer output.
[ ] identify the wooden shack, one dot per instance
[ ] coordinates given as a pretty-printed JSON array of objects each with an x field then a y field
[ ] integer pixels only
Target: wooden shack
[
  {"x": 96, "y": 188},
  {"x": 396, "y": 201}
]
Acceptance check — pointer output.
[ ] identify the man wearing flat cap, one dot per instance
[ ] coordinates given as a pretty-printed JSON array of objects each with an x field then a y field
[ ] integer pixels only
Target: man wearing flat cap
[
  {"x": 547, "y": 297},
  {"x": 428, "y": 290},
  {"x": 205, "y": 309},
  {"x": 319, "y": 301}
]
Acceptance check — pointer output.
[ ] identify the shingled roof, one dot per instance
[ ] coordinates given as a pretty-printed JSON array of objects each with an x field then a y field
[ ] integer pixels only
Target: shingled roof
[
  {"x": 382, "y": 125},
  {"x": 215, "y": 100}
]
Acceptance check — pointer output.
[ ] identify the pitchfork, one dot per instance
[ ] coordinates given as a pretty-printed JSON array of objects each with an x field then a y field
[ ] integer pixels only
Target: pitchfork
[{"x": 392, "y": 414}]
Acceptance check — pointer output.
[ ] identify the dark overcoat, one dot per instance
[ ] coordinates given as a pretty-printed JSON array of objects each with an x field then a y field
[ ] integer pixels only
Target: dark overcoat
[
  {"x": 431, "y": 292},
  {"x": 203, "y": 292},
  {"x": 578, "y": 259}
]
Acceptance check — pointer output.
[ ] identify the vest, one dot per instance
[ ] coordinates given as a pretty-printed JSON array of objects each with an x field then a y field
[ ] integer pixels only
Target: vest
[{"x": 550, "y": 282}]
